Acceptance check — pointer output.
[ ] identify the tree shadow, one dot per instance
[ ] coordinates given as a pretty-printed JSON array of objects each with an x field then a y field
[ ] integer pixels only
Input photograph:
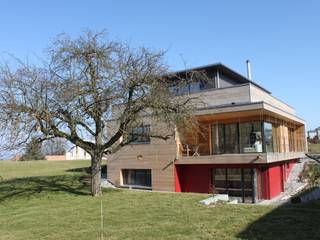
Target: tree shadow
[
  {"x": 80, "y": 170},
  {"x": 288, "y": 221},
  {"x": 87, "y": 170},
  {"x": 32, "y": 186}
]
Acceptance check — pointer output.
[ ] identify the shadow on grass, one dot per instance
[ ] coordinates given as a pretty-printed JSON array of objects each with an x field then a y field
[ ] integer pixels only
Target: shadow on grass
[
  {"x": 288, "y": 221},
  {"x": 87, "y": 170},
  {"x": 26, "y": 187},
  {"x": 80, "y": 170}
]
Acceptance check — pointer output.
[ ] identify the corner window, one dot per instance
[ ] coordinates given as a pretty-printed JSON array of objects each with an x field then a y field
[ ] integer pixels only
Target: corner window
[
  {"x": 140, "y": 134},
  {"x": 268, "y": 138}
]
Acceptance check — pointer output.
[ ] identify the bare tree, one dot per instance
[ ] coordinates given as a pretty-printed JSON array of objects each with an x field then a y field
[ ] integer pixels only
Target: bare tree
[
  {"x": 55, "y": 146},
  {"x": 33, "y": 151},
  {"x": 71, "y": 95}
]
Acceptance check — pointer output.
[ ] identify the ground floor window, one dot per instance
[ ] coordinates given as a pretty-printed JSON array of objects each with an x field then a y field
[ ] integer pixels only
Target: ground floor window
[
  {"x": 236, "y": 182},
  {"x": 137, "y": 177}
]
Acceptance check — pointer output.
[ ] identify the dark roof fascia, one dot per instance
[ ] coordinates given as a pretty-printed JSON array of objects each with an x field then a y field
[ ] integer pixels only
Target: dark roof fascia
[{"x": 224, "y": 69}]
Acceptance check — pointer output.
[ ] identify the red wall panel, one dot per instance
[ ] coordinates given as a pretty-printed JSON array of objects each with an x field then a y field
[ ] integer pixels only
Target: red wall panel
[
  {"x": 275, "y": 178},
  {"x": 178, "y": 178},
  {"x": 196, "y": 178}
]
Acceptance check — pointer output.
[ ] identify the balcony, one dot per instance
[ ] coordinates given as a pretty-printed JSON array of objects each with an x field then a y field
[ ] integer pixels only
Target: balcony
[
  {"x": 248, "y": 158},
  {"x": 234, "y": 141}
]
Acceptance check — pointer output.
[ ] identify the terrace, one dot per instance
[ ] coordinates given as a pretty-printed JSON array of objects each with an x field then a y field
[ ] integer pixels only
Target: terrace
[{"x": 241, "y": 137}]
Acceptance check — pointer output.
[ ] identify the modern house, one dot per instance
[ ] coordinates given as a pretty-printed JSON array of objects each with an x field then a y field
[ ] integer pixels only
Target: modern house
[
  {"x": 77, "y": 153},
  {"x": 245, "y": 145},
  {"x": 74, "y": 153}
]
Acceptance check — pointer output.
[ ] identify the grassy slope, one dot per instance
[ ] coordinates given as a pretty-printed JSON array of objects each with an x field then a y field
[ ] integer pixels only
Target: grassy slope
[
  {"x": 10, "y": 170},
  {"x": 56, "y": 205}
]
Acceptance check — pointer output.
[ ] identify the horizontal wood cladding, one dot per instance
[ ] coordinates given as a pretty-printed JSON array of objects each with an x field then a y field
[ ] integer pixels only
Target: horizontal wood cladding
[
  {"x": 278, "y": 113},
  {"x": 157, "y": 157},
  {"x": 242, "y": 116},
  {"x": 222, "y": 96},
  {"x": 209, "y": 98},
  {"x": 258, "y": 95}
]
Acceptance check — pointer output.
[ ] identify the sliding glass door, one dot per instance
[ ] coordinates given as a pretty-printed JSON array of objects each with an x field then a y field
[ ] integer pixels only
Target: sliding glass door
[
  {"x": 232, "y": 138},
  {"x": 236, "y": 182},
  {"x": 225, "y": 138}
]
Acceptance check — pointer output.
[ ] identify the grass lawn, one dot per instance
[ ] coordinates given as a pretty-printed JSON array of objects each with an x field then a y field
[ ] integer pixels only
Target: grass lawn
[
  {"x": 314, "y": 148},
  {"x": 45, "y": 200}
]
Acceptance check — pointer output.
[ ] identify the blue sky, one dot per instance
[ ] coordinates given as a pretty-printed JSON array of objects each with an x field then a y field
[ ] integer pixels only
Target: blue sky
[{"x": 281, "y": 38}]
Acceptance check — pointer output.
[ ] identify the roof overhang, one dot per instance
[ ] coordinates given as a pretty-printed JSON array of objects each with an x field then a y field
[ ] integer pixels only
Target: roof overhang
[{"x": 244, "y": 110}]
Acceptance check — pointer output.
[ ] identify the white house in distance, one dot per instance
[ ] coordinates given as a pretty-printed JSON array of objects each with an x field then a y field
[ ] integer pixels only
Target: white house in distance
[{"x": 77, "y": 153}]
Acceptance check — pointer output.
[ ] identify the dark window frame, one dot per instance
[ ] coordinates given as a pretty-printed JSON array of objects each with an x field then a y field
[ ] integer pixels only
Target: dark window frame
[
  {"x": 222, "y": 126},
  {"x": 226, "y": 170},
  {"x": 193, "y": 87},
  {"x": 140, "y": 134},
  {"x": 130, "y": 178},
  {"x": 264, "y": 137}
]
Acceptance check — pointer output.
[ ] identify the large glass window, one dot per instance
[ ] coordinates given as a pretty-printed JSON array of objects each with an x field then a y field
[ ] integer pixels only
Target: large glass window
[
  {"x": 137, "y": 177},
  {"x": 220, "y": 183},
  {"x": 250, "y": 137},
  {"x": 236, "y": 182},
  {"x": 228, "y": 138},
  {"x": 235, "y": 138},
  {"x": 268, "y": 137},
  {"x": 140, "y": 134}
]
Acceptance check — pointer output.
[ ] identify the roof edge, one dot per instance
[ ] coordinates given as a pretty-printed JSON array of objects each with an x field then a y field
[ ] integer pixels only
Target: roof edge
[{"x": 224, "y": 67}]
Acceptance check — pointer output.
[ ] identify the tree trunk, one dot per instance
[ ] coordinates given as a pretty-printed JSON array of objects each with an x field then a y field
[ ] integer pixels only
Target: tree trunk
[{"x": 96, "y": 174}]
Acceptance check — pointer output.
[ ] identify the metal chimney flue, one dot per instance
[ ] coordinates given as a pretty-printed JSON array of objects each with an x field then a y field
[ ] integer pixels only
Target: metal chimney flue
[{"x": 248, "y": 69}]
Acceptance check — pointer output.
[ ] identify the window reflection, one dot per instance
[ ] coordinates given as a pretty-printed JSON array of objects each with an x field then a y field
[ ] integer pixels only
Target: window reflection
[
  {"x": 250, "y": 137},
  {"x": 268, "y": 141},
  {"x": 255, "y": 137}
]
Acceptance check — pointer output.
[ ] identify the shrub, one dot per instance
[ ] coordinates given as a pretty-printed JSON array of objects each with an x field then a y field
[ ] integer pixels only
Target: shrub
[{"x": 311, "y": 173}]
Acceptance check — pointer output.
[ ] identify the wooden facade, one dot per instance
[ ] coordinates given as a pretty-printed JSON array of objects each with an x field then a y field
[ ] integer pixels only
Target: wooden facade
[
  {"x": 237, "y": 103},
  {"x": 158, "y": 155}
]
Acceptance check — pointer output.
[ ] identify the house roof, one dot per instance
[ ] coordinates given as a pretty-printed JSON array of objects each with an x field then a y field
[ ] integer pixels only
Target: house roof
[{"x": 224, "y": 69}]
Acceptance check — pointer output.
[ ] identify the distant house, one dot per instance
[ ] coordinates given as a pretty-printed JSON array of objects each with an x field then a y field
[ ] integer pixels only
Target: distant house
[
  {"x": 55, "y": 157},
  {"x": 77, "y": 153},
  {"x": 74, "y": 153}
]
